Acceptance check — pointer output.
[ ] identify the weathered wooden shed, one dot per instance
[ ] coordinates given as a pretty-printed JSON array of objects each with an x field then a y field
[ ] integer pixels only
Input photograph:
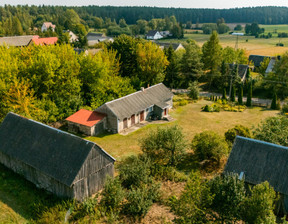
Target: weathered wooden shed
[
  {"x": 59, "y": 162},
  {"x": 87, "y": 122},
  {"x": 260, "y": 161},
  {"x": 129, "y": 110}
]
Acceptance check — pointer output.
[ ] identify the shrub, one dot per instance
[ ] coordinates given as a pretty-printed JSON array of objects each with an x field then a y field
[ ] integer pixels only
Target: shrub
[
  {"x": 112, "y": 194},
  {"x": 212, "y": 108},
  {"x": 274, "y": 102},
  {"x": 208, "y": 145},
  {"x": 165, "y": 146},
  {"x": 139, "y": 200},
  {"x": 168, "y": 173},
  {"x": 135, "y": 171},
  {"x": 284, "y": 109},
  {"x": 182, "y": 102},
  {"x": 240, "y": 130}
]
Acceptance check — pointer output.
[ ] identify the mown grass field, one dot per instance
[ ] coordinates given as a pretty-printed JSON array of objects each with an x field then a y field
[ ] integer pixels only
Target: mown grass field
[
  {"x": 17, "y": 195},
  {"x": 252, "y": 45}
]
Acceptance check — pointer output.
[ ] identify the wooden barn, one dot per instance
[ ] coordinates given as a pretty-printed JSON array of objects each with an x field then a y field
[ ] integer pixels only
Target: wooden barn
[
  {"x": 59, "y": 162},
  {"x": 259, "y": 161},
  {"x": 87, "y": 122},
  {"x": 122, "y": 113}
]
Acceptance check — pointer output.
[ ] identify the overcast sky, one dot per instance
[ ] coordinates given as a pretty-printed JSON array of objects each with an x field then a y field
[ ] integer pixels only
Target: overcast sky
[{"x": 158, "y": 3}]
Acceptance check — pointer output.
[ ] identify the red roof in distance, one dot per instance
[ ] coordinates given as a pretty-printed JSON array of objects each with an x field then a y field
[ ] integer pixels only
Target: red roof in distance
[
  {"x": 86, "y": 117},
  {"x": 45, "y": 41}
]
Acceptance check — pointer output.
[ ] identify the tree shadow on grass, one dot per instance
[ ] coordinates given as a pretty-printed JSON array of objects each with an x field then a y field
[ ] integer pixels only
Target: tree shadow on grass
[
  {"x": 24, "y": 197},
  {"x": 188, "y": 163}
]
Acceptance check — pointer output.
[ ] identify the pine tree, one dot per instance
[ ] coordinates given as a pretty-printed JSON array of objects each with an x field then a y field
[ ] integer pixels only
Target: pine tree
[
  {"x": 274, "y": 102},
  {"x": 249, "y": 96},
  {"x": 240, "y": 95},
  {"x": 224, "y": 94},
  {"x": 233, "y": 94}
]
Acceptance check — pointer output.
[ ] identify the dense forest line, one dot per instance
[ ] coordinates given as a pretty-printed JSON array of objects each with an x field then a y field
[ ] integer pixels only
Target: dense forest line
[{"x": 34, "y": 16}]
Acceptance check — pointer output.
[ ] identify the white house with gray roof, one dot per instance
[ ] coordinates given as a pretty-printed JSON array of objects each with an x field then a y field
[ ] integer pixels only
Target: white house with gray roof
[{"x": 153, "y": 102}]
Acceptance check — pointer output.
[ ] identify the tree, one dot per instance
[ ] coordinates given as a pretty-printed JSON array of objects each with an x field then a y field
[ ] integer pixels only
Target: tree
[
  {"x": 194, "y": 90},
  {"x": 238, "y": 27},
  {"x": 208, "y": 145},
  {"x": 239, "y": 130},
  {"x": 249, "y": 96},
  {"x": 274, "y": 102},
  {"x": 16, "y": 26},
  {"x": 177, "y": 31},
  {"x": 165, "y": 145},
  {"x": 191, "y": 65},
  {"x": 274, "y": 130},
  {"x": 224, "y": 94},
  {"x": 122, "y": 23},
  {"x": 233, "y": 93},
  {"x": 263, "y": 66},
  {"x": 240, "y": 95},
  {"x": 172, "y": 78},
  {"x": 229, "y": 193},
  {"x": 212, "y": 55},
  {"x": 258, "y": 207}
]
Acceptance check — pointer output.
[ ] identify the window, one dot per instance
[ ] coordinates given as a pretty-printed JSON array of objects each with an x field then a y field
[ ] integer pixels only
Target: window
[{"x": 150, "y": 109}]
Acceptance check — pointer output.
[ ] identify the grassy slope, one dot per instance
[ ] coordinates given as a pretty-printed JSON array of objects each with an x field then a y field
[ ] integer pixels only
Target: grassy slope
[{"x": 17, "y": 195}]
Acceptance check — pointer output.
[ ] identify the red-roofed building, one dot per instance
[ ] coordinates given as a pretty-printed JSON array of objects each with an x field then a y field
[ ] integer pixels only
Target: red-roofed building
[
  {"x": 88, "y": 122},
  {"x": 44, "y": 41}
]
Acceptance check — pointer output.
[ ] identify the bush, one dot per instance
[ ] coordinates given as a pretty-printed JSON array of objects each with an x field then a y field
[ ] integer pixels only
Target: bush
[
  {"x": 168, "y": 173},
  {"x": 183, "y": 102},
  {"x": 135, "y": 171},
  {"x": 284, "y": 109},
  {"x": 208, "y": 145},
  {"x": 240, "y": 130},
  {"x": 139, "y": 200},
  {"x": 212, "y": 108},
  {"x": 112, "y": 194},
  {"x": 164, "y": 146}
]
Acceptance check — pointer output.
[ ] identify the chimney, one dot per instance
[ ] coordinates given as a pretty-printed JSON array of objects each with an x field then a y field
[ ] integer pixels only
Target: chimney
[
  {"x": 142, "y": 89},
  {"x": 148, "y": 85}
]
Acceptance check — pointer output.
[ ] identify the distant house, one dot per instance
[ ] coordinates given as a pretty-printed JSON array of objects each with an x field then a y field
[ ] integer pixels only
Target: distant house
[
  {"x": 153, "y": 35},
  {"x": 120, "y": 114},
  {"x": 257, "y": 59},
  {"x": 17, "y": 41},
  {"x": 59, "y": 162},
  {"x": 259, "y": 161},
  {"x": 87, "y": 122},
  {"x": 95, "y": 38},
  {"x": 242, "y": 70},
  {"x": 175, "y": 46},
  {"x": 72, "y": 36},
  {"x": 47, "y": 25},
  {"x": 165, "y": 33},
  {"x": 44, "y": 41}
]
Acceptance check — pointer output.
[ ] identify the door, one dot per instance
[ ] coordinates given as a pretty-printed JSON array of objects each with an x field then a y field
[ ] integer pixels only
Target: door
[
  {"x": 165, "y": 111},
  {"x": 142, "y": 116},
  {"x": 125, "y": 123},
  {"x": 133, "y": 119}
]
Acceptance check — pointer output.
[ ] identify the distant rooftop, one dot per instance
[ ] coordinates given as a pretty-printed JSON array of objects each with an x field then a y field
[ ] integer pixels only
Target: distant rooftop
[{"x": 86, "y": 117}]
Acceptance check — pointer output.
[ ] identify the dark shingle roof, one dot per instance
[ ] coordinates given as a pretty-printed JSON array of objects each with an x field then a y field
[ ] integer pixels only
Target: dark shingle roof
[
  {"x": 175, "y": 46},
  {"x": 151, "y": 33},
  {"x": 242, "y": 70},
  {"x": 94, "y": 36},
  {"x": 136, "y": 102},
  {"x": 55, "y": 153},
  {"x": 260, "y": 161},
  {"x": 16, "y": 41},
  {"x": 257, "y": 59}
]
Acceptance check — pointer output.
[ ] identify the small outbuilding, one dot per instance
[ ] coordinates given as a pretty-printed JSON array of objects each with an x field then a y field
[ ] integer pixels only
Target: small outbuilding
[
  {"x": 259, "y": 161},
  {"x": 57, "y": 161},
  {"x": 153, "y": 35},
  {"x": 87, "y": 122}
]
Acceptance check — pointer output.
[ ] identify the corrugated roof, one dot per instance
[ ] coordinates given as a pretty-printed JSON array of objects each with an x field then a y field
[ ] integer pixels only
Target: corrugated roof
[
  {"x": 86, "y": 117},
  {"x": 136, "y": 102},
  {"x": 16, "y": 41},
  {"x": 58, "y": 154},
  {"x": 260, "y": 161},
  {"x": 45, "y": 41}
]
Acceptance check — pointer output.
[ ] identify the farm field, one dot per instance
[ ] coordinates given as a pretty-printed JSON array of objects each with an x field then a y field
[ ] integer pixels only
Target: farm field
[
  {"x": 17, "y": 195},
  {"x": 252, "y": 45}
]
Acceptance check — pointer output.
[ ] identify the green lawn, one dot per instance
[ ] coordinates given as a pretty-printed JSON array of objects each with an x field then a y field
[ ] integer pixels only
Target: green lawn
[
  {"x": 17, "y": 195},
  {"x": 191, "y": 119}
]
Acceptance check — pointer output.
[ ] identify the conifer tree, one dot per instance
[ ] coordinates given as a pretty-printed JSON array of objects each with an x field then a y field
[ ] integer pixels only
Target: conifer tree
[
  {"x": 240, "y": 95},
  {"x": 249, "y": 96},
  {"x": 274, "y": 102},
  {"x": 224, "y": 94},
  {"x": 233, "y": 94}
]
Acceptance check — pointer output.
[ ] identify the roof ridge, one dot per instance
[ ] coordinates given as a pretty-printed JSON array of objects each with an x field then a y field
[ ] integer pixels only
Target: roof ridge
[
  {"x": 262, "y": 142},
  {"x": 139, "y": 91}
]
